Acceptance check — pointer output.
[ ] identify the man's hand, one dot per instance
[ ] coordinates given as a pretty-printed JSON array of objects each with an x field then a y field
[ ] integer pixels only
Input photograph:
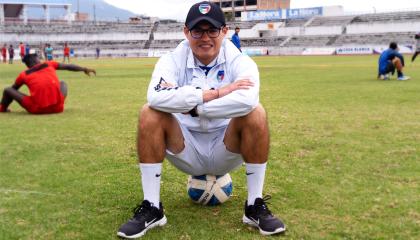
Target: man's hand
[
  {"x": 237, "y": 85},
  {"x": 87, "y": 71},
  {"x": 167, "y": 85},
  {"x": 209, "y": 95}
]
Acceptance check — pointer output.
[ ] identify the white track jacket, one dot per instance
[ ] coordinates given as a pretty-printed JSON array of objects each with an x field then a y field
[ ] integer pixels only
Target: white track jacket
[{"x": 179, "y": 69}]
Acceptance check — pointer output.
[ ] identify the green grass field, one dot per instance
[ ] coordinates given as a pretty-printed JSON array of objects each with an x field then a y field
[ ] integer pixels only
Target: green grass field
[{"x": 344, "y": 160}]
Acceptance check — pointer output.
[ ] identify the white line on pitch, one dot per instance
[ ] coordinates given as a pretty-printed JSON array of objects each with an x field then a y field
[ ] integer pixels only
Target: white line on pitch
[{"x": 24, "y": 192}]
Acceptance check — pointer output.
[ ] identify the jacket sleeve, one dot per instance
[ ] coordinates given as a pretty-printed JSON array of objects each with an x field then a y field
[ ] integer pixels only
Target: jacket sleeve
[
  {"x": 240, "y": 102},
  {"x": 164, "y": 92}
]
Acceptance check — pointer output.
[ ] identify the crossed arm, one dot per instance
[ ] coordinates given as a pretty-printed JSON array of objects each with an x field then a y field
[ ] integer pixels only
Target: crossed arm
[{"x": 212, "y": 94}]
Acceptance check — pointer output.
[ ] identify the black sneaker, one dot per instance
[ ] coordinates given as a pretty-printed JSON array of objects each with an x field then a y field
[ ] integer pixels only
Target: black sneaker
[
  {"x": 146, "y": 216},
  {"x": 259, "y": 216}
]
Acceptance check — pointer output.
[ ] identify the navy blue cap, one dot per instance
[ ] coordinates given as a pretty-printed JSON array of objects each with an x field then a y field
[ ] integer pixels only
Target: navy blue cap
[{"x": 205, "y": 11}]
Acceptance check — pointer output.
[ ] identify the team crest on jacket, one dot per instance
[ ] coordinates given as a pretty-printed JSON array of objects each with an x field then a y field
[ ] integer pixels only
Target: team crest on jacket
[
  {"x": 220, "y": 75},
  {"x": 204, "y": 8}
]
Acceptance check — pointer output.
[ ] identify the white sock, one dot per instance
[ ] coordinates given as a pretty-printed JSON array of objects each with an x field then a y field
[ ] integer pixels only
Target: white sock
[
  {"x": 150, "y": 180},
  {"x": 255, "y": 179}
]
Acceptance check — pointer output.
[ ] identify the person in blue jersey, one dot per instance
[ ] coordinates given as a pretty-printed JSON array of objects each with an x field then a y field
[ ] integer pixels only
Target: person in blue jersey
[
  {"x": 235, "y": 38},
  {"x": 49, "y": 52},
  {"x": 417, "y": 51},
  {"x": 203, "y": 115},
  {"x": 27, "y": 49},
  {"x": 389, "y": 61}
]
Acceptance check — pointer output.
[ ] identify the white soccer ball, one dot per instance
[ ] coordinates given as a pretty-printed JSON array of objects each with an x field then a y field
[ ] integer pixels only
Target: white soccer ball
[{"x": 209, "y": 189}]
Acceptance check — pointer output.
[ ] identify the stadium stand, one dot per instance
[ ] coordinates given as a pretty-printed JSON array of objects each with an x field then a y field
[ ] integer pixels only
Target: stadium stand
[
  {"x": 241, "y": 25},
  {"x": 295, "y": 22},
  {"x": 376, "y": 39},
  {"x": 406, "y": 16},
  {"x": 279, "y": 37},
  {"x": 308, "y": 41},
  {"x": 81, "y": 27},
  {"x": 258, "y": 42},
  {"x": 170, "y": 27},
  {"x": 331, "y": 21},
  {"x": 165, "y": 44}
]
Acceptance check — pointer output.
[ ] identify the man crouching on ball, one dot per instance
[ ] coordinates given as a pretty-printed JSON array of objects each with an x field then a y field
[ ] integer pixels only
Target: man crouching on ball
[
  {"x": 203, "y": 114},
  {"x": 47, "y": 93}
]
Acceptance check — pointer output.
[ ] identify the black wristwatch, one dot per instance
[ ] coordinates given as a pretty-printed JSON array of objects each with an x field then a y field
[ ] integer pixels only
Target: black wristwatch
[{"x": 193, "y": 112}]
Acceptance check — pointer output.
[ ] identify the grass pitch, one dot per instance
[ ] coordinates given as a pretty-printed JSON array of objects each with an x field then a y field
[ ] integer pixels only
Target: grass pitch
[{"x": 344, "y": 160}]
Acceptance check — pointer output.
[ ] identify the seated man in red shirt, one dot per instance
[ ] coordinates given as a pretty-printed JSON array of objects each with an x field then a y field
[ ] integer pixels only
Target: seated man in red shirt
[{"x": 47, "y": 93}]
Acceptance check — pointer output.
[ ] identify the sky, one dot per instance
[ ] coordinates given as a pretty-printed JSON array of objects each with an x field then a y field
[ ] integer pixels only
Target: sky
[{"x": 177, "y": 9}]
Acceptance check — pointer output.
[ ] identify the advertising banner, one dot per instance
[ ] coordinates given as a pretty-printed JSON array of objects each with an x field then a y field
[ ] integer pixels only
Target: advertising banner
[
  {"x": 354, "y": 50},
  {"x": 263, "y": 15},
  {"x": 304, "y": 12},
  {"x": 318, "y": 51},
  {"x": 255, "y": 51},
  {"x": 157, "y": 53}
]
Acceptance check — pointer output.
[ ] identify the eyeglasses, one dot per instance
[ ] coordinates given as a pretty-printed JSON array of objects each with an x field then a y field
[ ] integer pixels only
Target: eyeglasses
[{"x": 198, "y": 33}]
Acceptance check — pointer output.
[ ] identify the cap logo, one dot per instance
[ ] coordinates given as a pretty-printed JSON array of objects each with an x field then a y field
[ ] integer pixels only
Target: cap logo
[{"x": 204, "y": 8}]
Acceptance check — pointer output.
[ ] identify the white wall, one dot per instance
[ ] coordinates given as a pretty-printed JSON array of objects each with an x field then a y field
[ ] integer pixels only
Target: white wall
[
  {"x": 383, "y": 27},
  {"x": 320, "y": 30},
  {"x": 168, "y": 35},
  {"x": 254, "y": 32},
  {"x": 244, "y": 33},
  {"x": 289, "y": 31},
  {"x": 333, "y": 11}
]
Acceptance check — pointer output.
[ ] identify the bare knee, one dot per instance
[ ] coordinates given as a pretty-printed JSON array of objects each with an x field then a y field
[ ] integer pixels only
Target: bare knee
[
  {"x": 12, "y": 93},
  {"x": 150, "y": 117},
  {"x": 255, "y": 121},
  {"x": 396, "y": 60},
  {"x": 259, "y": 111},
  {"x": 257, "y": 117},
  {"x": 397, "y": 63},
  {"x": 8, "y": 90}
]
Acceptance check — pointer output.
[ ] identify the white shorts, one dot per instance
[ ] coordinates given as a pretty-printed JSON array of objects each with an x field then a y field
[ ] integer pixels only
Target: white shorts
[{"x": 204, "y": 153}]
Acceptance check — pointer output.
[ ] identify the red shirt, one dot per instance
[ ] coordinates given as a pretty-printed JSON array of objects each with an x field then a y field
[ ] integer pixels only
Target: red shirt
[
  {"x": 3, "y": 51},
  {"x": 43, "y": 84},
  {"x": 22, "y": 49},
  {"x": 66, "y": 51}
]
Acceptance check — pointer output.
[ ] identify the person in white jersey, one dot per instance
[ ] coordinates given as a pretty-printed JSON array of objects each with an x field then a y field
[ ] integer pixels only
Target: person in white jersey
[{"x": 203, "y": 114}]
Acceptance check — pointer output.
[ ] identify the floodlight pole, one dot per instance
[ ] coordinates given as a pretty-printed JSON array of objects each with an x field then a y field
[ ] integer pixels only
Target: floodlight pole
[
  {"x": 47, "y": 13},
  {"x": 233, "y": 10},
  {"x": 25, "y": 14},
  {"x": 1, "y": 14},
  {"x": 68, "y": 9}
]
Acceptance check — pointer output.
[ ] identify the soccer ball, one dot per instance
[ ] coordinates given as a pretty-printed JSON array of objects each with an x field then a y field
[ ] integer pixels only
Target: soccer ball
[
  {"x": 384, "y": 77},
  {"x": 209, "y": 189}
]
